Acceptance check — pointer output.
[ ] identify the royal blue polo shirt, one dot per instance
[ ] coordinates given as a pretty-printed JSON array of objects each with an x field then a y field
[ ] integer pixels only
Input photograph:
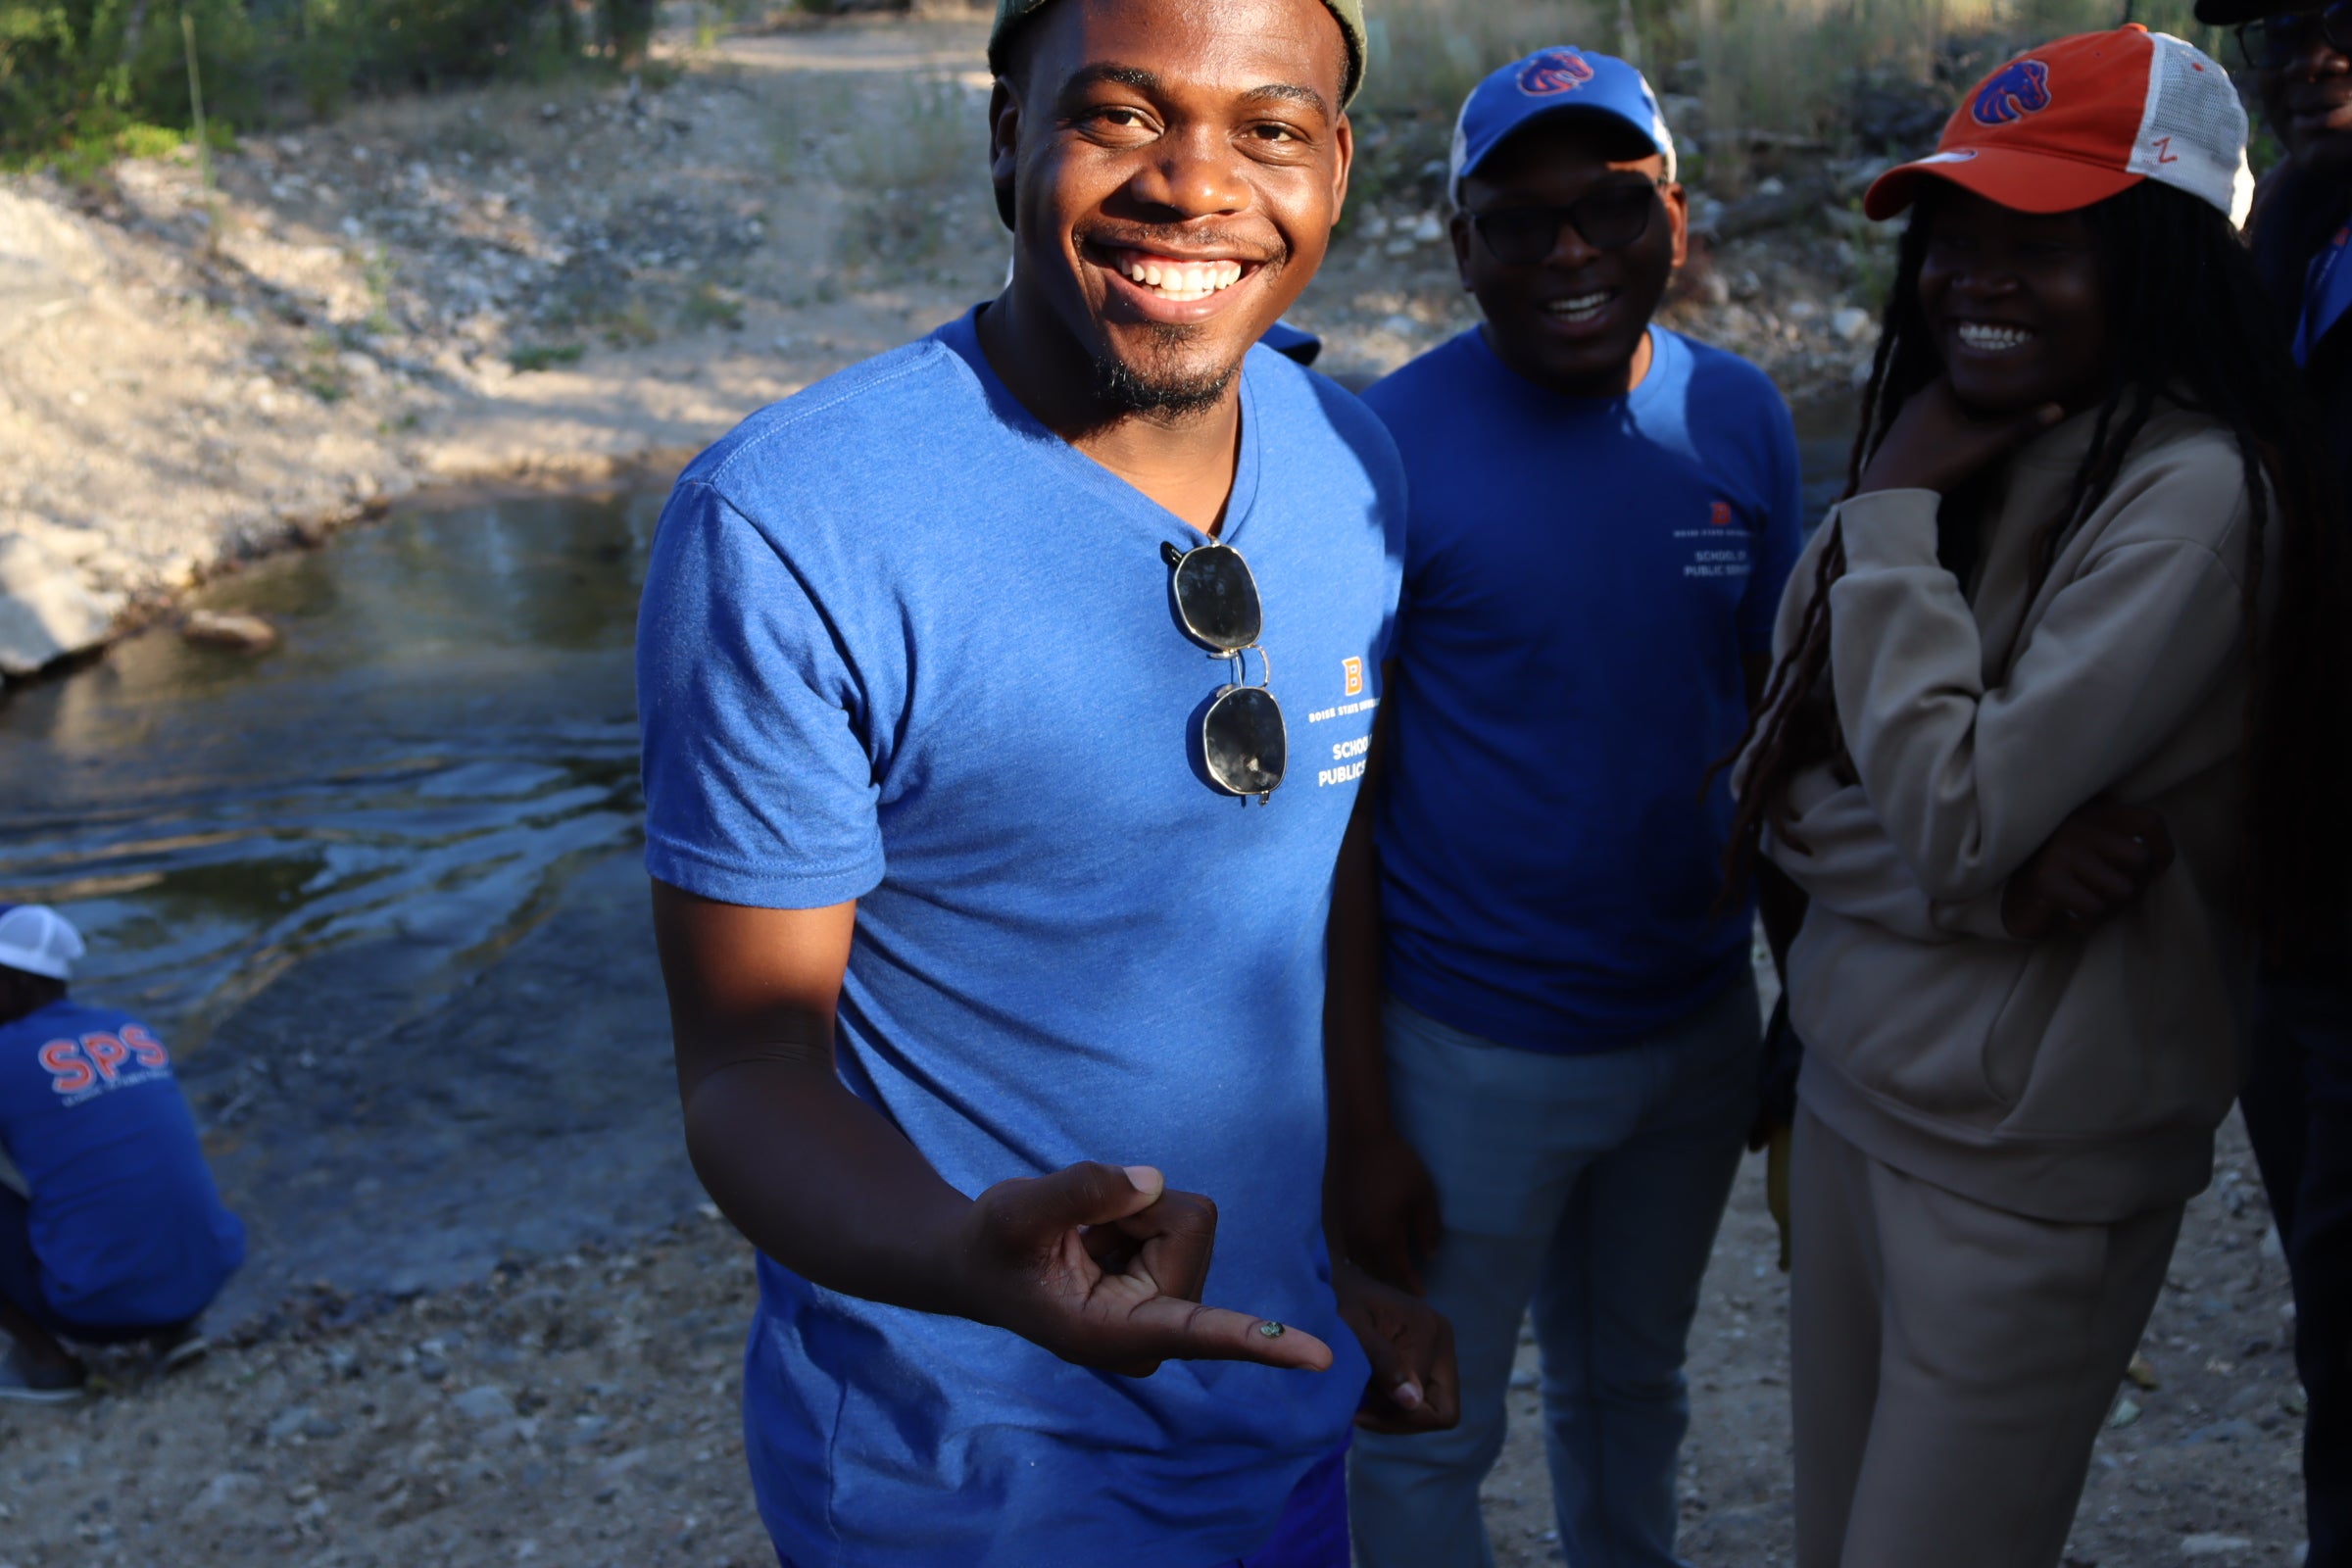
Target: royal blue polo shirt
[
  {"x": 1584, "y": 577},
  {"x": 126, "y": 1223},
  {"x": 902, "y": 644}
]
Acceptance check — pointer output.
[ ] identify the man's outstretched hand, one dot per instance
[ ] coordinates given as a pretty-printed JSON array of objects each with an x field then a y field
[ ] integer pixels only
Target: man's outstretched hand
[
  {"x": 1104, "y": 1267},
  {"x": 1414, "y": 1387}
]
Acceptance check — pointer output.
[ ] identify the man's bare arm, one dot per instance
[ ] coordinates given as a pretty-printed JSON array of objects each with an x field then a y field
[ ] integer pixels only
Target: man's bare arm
[{"x": 1096, "y": 1263}]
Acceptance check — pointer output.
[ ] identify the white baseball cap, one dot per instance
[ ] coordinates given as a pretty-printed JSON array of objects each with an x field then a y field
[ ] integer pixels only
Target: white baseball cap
[{"x": 38, "y": 940}]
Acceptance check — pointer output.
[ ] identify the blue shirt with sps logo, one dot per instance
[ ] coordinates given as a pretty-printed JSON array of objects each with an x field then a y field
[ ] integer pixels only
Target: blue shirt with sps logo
[
  {"x": 902, "y": 644},
  {"x": 126, "y": 1225},
  {"x": 1582, "y": 579}
]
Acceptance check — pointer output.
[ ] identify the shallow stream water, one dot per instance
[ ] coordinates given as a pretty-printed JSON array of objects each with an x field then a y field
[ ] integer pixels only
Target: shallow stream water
[{"x": 379, "y": 889}]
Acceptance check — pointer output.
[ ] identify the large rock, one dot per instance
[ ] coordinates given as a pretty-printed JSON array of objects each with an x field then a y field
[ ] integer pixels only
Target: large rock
[{"x": 46, "y": 610}]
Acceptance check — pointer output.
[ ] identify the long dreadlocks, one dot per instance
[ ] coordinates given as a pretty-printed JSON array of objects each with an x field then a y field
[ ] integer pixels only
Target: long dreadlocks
[{"x": 2190, "y": 323}]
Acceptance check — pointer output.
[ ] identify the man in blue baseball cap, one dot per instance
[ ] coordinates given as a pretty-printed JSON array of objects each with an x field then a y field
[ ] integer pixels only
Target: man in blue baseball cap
[{"x": 1551, "y": 1101}]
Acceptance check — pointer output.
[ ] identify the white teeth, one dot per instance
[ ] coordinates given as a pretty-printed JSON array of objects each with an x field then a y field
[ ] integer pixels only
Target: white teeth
[
  {"x": 1985, "y": 338},
  {"x": 1581, "y": 305},
  {"x": 1185, "y": 280}
]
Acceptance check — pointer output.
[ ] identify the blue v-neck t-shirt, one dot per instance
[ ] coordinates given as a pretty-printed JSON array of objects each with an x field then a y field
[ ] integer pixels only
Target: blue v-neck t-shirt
[
  {"x": 902, "y": 644},
  {"x": 1583, "y": 579}
]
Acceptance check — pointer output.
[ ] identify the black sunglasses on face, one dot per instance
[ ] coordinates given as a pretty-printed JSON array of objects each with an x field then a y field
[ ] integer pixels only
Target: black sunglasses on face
[
  {"x": 1610, "y": 218},
  {"x": 2273, "y": 43},
  {"x": 1243, "y": 739}
]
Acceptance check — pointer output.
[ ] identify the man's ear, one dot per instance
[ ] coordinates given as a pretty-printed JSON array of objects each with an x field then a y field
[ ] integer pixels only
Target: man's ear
[
  {"x": 1678, "y": 212},
  {"x": 1343, "y": 166},
  {"x": 1004, "y": 144},
  {"x": 1457, "y": 230}
]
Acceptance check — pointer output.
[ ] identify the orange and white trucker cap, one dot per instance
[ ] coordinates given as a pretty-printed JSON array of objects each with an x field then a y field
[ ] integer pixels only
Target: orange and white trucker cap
[
  {"x": 38, "y": 940},
  {"x": 2087, "y": 117}
]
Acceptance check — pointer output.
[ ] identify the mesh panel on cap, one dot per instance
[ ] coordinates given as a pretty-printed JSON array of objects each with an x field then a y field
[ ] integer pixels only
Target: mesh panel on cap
[
  {"x": 2194, "y": 134},
  {"x": 38, "y": 940}
]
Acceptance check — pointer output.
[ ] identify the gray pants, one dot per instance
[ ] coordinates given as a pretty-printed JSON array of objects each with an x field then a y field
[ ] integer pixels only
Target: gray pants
[
  {"x": 1951, "y": 1363},
  {"x": 1591, "y": 1184}
]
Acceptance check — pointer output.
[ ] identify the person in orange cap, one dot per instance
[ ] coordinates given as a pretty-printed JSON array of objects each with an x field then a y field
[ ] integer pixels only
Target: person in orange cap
[{"x": 2026, "y": 748}]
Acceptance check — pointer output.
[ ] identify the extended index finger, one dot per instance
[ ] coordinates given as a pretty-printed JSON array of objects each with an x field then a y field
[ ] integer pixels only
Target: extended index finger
[{"x": 1187, "y": 1331}]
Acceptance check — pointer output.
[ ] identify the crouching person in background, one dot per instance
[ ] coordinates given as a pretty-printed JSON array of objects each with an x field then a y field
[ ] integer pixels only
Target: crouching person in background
[{"x": 119, "y": 1235}]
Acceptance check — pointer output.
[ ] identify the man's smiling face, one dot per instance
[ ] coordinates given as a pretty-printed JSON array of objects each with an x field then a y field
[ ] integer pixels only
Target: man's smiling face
[
  {"x": 1174, "y": 170},
  {"x": 2308, "y": 99}
]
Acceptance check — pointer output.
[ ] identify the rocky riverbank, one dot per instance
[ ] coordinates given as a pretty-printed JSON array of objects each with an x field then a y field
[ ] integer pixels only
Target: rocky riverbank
[{"x": 556, "y": 284}]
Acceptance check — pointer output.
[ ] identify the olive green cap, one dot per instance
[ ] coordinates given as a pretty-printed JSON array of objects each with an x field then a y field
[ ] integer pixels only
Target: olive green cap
[{"x": 1349, "y": 14}]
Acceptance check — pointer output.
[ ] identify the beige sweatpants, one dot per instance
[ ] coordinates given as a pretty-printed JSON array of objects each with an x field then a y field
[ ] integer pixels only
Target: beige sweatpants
[{"x": 1951, "y": 1363}]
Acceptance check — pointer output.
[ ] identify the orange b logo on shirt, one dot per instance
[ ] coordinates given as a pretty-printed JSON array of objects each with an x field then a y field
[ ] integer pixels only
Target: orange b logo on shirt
[
  {"x": 1354, "y": 668},
  {"x": 1719, "y": 514}
]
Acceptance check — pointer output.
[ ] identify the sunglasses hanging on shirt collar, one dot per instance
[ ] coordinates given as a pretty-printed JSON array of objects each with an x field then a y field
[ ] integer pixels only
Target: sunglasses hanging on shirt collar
[{"x": 1243, "y": 740}]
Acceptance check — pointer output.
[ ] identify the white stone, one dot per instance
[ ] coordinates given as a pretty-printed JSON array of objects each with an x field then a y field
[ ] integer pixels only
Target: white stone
[
  {"x": 222, "y": 1494},
  {"x": 1852, "y": 323},
  {"x": 486, "y": 1403},
  {"x": 46, "y": 610}
]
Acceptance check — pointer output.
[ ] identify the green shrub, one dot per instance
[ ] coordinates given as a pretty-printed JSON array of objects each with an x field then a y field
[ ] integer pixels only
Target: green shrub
[{"x": 76, "y": 72}]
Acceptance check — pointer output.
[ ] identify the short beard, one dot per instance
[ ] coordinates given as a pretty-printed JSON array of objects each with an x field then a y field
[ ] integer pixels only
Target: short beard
[{"x": 1127, "y": 389}]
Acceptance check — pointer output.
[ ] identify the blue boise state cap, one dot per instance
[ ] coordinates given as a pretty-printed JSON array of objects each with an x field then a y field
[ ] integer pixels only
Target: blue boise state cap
[{"x": 1550, "y": 81}]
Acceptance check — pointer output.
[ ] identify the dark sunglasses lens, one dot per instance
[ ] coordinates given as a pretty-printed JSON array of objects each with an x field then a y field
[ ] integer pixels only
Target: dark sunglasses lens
[
  {"x": 1520, "y": 237},
  {"x": 1243, "y": 742},
  {"x": 1219, "y": 597},
  {"x": 2274, "y": 43},
  {"x": 1610, "y": 220}
]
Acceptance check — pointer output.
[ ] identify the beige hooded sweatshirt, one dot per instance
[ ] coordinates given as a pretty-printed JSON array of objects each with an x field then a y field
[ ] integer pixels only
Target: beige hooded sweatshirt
[{"x": 2079, "y": 1078}]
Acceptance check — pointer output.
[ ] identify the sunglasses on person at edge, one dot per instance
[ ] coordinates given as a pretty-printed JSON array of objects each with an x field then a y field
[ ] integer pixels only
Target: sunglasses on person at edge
[
  {"x": 2273, "y": 43},
  {"x": 1608, "y": 218}
]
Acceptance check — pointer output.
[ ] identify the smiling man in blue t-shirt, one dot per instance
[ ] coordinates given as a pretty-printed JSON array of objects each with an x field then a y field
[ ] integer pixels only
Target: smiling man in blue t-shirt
[
  {"x": 1551, "y": 1104},
  {"x": 993, "y": 912}
]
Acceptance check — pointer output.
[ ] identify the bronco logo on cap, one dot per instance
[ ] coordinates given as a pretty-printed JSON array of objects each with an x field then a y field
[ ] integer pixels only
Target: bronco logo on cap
[
  {"x": 1554, "y": 70},
  {"x": 2011, "y": 93}
]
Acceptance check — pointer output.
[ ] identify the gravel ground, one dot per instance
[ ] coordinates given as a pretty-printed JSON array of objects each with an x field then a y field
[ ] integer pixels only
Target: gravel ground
[{"x": 582, "y": 1410}]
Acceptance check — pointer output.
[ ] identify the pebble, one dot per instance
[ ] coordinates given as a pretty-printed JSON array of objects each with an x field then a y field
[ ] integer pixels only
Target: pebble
[
  {"x": 246, "y": 634},
  {"x": 486, "y": 1403},
  {"x": 2224, "y": 1432},
  {"x": 290, "y": 1421},
  {"x": 2124, "y": 1413},
  {"x": 2213, "y": 1545},
  {"x": 1852, "y": 323},
  {"x": 224, "y": 1494}
]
